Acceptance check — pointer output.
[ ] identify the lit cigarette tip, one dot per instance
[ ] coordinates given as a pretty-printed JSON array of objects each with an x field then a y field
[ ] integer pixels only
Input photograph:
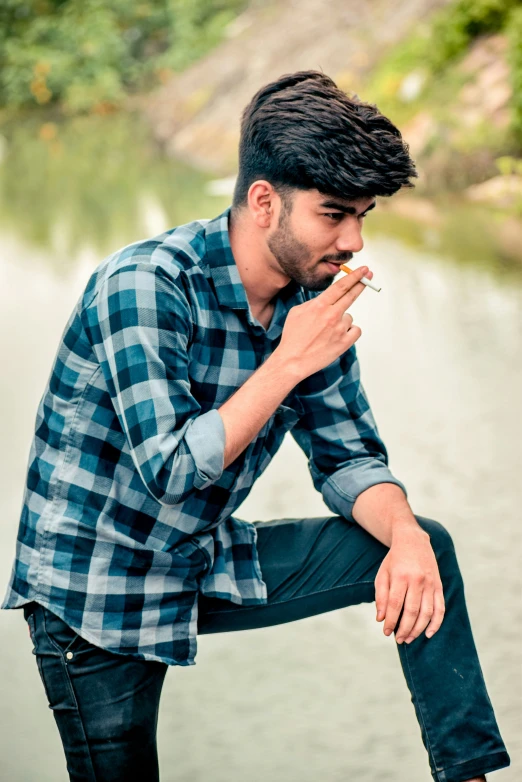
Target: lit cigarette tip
[{"x": 364, "y": 280}]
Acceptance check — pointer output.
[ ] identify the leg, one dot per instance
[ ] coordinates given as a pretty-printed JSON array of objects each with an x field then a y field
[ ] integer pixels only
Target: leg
[
  {"x": 105, "y": 705},
  {"x": 315, "y": 565},
  {"x": 445, "y": 679}
]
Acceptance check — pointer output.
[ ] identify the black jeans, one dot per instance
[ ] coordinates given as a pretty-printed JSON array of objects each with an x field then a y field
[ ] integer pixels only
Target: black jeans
[{"x": 106, "y": 705}]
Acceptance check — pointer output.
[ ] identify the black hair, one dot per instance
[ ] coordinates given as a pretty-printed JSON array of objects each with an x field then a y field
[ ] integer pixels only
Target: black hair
[{"x": 303, "y": 132}]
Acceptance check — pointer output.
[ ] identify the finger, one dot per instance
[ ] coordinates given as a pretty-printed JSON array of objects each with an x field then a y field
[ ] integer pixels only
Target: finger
[
  {"x": 343, "y": 285},
  {"x": 439, "y": 609},
  {"x": 348, "y": 298},
  {"x": 425, "y": 614},
  {"x": 347, "y": 319},
  {"x": 382, "y": 588},
  {"x": 412, "y": 606},
  {"x": 395, "y": 603},
  {"x": 353, "y": 334}
]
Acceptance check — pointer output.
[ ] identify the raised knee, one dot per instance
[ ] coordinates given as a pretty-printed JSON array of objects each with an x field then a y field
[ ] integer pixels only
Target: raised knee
[{"x": 440, "y": 538}]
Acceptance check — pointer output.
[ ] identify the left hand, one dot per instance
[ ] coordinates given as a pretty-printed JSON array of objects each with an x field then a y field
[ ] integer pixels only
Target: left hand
[{"x": 409, "y": 575}]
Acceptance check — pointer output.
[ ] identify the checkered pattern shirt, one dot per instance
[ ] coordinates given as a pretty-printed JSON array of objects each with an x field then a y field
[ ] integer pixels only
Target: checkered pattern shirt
[{"x": 127, "y": 513}]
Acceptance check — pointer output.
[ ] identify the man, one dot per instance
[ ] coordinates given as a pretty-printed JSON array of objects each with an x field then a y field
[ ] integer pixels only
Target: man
[{"x": 184, "y": 363}]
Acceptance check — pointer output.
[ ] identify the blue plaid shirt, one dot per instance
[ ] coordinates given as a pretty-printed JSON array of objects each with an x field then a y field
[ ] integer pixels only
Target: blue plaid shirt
[{"x": 127, "y": 511}]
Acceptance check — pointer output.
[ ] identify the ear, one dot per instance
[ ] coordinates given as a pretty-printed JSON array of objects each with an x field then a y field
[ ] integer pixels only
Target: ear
[{"x": 263, "y": 203}]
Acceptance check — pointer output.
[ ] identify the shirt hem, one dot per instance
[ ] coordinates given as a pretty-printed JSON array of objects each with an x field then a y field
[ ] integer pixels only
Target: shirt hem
[{"x": 92, "y": 640}]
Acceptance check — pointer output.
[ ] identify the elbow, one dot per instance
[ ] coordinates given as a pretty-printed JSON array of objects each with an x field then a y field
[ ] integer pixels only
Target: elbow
[{"x": 196, "y": 462}]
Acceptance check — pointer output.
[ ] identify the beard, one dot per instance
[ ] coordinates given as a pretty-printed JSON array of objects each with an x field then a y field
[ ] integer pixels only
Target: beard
[{"x": 293, "y": 257}]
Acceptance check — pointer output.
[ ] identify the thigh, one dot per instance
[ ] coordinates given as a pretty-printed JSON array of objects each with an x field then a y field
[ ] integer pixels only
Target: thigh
[
  {"x": 105, "y": 705},
  {"x": 310, "y": 566}
]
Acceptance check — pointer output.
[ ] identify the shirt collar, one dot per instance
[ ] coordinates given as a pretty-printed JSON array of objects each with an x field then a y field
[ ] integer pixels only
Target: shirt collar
[{"x": 230, "y": 290}]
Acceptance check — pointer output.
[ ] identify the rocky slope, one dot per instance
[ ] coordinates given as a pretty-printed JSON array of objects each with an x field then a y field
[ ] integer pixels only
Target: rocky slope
[{"x": 196, "y": 115}]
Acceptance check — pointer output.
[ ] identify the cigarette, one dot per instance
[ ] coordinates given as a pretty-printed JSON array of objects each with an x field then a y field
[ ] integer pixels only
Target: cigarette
[{"x": 365, "y": 280}]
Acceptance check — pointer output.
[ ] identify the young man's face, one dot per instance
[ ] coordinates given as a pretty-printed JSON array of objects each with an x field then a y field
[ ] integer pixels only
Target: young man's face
[{"x": 317, "y": 235}]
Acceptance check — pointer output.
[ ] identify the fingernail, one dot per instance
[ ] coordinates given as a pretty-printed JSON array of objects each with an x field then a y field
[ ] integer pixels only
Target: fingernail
[
  {"x": 387, "y": 632},
  {"x": 429, "y": 633},
  {"x": 409, "y": 639},
  {"x": 399, "y": 640}
]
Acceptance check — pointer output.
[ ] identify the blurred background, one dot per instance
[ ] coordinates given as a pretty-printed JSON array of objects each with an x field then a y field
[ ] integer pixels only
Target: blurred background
[{"x": 119, "y": 119}]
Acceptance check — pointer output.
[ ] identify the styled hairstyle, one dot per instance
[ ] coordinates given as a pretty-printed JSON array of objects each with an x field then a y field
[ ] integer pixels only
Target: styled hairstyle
[{"x": 303, "y": 132}]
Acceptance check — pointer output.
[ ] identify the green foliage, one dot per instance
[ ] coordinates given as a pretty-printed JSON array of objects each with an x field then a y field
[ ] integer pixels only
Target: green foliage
[
  {"x": 432, "y": 50},
  {"x": 199, "y": 27},
  {"x": 515, "y": 61},
  {"x": 459, "y": 23},
  {"x": 88, "y": 55},
  {"x": 508, "y": 165}
]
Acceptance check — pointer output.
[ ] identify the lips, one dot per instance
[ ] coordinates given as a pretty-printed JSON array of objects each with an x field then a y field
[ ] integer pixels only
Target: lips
[{"x": 334, "y": 267}]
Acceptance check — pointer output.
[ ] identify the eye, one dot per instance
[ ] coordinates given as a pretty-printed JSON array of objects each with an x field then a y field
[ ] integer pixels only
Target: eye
[{"x": 334, "y": 215}]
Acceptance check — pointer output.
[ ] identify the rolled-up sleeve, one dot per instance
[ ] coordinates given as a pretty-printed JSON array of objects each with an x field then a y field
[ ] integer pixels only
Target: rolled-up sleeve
[
  {"x": 339, "y": 436},
  {"x": 206, "y": 441},
  {"x": 139, "y": 323}
]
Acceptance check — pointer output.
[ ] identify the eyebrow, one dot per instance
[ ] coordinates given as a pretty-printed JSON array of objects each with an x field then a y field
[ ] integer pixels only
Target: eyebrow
[{"x": 346, "y": 209}]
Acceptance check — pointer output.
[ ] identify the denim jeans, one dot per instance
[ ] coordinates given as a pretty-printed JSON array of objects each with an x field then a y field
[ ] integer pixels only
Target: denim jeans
[{"x": 106, "y": 705}]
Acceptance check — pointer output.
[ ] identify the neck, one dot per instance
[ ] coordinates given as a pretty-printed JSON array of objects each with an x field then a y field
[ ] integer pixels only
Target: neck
[{"x": 258, "y": 269}]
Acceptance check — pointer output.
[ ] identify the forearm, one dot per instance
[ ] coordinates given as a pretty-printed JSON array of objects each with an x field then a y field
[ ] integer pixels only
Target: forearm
[
  {"x": 384, "y": 512},
  {"x": 250, "y": 407}
]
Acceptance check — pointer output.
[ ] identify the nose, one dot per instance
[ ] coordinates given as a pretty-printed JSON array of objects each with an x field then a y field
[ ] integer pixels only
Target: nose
[{"x": 350, "y": 238}]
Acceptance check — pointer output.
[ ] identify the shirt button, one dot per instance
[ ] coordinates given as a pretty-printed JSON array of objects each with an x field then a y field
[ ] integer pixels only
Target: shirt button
[{"x": 69, "y": 655}]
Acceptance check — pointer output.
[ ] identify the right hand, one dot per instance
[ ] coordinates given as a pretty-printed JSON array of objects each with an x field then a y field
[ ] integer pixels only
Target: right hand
[{"x": 320, "y": 330}]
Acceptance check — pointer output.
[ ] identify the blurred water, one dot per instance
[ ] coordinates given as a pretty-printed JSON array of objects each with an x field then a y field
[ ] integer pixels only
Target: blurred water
[{"x": 323, "y": 698}]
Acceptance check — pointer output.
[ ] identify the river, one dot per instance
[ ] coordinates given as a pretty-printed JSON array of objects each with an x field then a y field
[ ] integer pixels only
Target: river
[{"x": 323, "y": 698}]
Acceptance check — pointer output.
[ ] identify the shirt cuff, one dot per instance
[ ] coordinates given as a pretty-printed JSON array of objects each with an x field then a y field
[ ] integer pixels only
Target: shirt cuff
[
  {"x": 342, "y": 488},
  {"x": 205, "y": 439}
]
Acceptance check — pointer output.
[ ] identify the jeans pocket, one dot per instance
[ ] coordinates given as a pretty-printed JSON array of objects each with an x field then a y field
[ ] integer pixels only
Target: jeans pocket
[{"x": 60, "y": 635}]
